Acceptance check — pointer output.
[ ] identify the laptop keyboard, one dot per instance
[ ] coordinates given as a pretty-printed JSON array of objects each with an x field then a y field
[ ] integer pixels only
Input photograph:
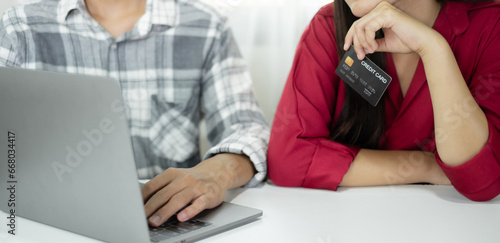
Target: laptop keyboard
[{"x": 173, "y": 228}]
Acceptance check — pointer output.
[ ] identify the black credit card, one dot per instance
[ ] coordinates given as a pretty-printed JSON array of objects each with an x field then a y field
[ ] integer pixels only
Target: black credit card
[{"x": 369, "y": 80}]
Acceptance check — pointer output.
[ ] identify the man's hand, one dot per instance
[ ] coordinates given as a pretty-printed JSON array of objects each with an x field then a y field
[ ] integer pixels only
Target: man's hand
[{"x": 204, "y": 186}]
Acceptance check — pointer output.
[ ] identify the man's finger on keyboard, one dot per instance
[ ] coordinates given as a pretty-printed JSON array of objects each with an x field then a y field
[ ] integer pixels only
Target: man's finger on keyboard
[{"x": 176, "y": 203}]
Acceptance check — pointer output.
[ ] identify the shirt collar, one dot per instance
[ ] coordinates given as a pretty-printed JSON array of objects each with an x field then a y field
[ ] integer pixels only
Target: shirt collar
[
  {"x": 163, "y": 12},
  {"x": 453, "y": 20},
  {"x": 66, "y": 6}
]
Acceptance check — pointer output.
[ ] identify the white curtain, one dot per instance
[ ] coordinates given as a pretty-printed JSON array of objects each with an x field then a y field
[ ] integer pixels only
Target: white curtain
[{"x": 267, "y": 32}]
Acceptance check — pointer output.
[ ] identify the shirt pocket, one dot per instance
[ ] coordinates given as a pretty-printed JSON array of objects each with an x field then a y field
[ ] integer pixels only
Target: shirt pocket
[{"x": 174, "y": 131}]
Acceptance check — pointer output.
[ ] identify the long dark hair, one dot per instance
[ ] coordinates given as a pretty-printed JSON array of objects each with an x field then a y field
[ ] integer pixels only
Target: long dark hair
[{"x": 359, "y": 124}]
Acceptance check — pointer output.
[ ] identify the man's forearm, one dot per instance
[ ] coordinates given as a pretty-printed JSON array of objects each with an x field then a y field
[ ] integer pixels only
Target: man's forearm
[{"x": 229, "y": 170}]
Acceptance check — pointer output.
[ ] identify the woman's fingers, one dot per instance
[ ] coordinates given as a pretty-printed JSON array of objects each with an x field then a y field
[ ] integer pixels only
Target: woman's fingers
[
  {"x": 363, "y": 31},
  {"x": 360, "y": 52}
]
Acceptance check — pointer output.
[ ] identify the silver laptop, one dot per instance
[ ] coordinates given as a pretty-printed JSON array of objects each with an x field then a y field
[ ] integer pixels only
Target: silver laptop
[{"x": 66, "y": 149}]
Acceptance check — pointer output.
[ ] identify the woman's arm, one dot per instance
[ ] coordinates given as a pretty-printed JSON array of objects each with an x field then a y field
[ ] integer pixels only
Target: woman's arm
[
  {"x": 379, "y": 167},
  {"x": 449, "y": 93}
]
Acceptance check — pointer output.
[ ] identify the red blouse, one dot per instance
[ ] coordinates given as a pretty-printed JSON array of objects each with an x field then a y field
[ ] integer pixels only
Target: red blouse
[{"x": 300, "y": 153}]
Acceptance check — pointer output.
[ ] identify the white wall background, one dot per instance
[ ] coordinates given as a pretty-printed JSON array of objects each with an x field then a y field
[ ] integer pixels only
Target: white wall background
[
  {"x": 5, "y": 4},
  {"x": 267, "y": 32}
]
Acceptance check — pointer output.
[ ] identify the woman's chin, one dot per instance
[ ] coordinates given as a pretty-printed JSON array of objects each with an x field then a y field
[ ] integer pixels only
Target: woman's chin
[
  {"x": 358, "y": 14},
  {"x": 360, "y": 9}
]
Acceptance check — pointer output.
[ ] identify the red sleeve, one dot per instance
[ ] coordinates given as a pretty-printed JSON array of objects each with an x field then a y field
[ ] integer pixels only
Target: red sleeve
[
  {"x": 479, "y": 178},
  {"x": 300, "y": 153}
]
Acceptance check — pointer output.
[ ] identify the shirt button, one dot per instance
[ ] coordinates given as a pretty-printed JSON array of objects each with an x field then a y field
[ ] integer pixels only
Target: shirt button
[{"x": 113, "y": 46}]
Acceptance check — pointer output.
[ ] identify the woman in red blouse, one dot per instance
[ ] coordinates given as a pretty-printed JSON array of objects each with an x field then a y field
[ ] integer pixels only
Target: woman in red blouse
[{"x": 438, "y": 121}]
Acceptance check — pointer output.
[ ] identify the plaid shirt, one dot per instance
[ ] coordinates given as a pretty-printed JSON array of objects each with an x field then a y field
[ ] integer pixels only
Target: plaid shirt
[{"x": 180, "y": 63}]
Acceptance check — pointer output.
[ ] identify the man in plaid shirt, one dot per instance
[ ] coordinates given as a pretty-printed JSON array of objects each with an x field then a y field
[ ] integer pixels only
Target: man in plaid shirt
[{"x": 176, "y": 61}]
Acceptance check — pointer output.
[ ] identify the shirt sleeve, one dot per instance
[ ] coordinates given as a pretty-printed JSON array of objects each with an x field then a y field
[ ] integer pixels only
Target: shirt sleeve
[
  {"x": 9, "y": 40},
  {"x": 479, "y": 178},
  {"x": 300, "y": 151},
  {"x": 234, "y": 120}
]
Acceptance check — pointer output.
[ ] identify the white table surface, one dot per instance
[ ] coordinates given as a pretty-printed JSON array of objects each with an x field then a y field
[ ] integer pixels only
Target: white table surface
[{"x": 402, "y": 214}]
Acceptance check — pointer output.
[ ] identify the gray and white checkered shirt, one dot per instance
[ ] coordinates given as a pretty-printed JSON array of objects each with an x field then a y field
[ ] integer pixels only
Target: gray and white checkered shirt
[{"x": 178, "y": 64}]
